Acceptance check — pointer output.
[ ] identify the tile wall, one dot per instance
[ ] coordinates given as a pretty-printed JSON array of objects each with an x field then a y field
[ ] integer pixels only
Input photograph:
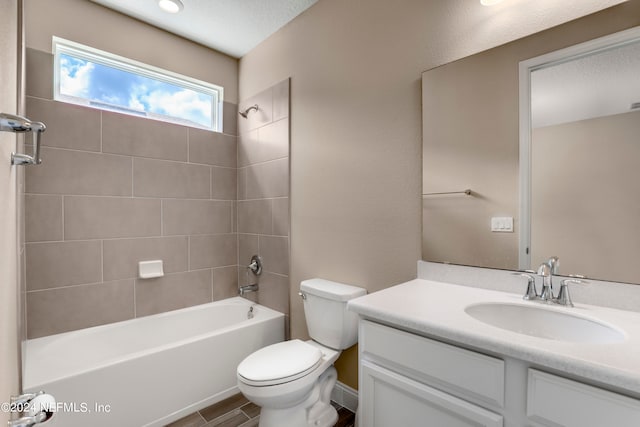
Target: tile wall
[
  {"x": 263, "y": 193},
  {"x": 114, "y": 190}
]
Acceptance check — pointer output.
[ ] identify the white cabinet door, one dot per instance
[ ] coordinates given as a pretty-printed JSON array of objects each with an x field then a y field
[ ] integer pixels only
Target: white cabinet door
[
  {"x": 388, "y": 399},
  {"x": 557, "y": 401}
]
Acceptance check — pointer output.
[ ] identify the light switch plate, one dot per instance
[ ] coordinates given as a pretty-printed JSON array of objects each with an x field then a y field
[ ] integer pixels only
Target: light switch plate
[{"x": 502, "y": 224}]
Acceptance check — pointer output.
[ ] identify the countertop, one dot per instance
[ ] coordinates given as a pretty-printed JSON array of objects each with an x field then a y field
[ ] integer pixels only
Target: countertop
[{"x": 437, "y": 309}]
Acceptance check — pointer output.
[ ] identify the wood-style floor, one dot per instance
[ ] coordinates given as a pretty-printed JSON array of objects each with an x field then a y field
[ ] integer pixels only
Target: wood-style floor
[{"x": 237, "y": 411}]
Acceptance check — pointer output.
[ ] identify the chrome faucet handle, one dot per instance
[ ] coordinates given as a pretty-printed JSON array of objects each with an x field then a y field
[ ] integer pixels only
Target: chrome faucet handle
[
  {"x": 531, "y": 293},
  {"x": 255, "y": 266},
  {"x": 564, "y": 298}
]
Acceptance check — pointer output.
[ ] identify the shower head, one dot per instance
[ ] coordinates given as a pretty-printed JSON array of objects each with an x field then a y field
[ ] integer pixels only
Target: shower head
[{"x": 245, "y": 113}]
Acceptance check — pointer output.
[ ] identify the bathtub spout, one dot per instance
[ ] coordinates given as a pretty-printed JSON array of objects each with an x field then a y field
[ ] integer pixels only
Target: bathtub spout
[{"x": 248, "y": 288}]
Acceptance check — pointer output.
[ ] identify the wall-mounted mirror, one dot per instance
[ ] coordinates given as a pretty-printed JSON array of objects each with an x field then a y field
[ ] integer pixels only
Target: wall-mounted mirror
[{"x": 580, "y": 136}]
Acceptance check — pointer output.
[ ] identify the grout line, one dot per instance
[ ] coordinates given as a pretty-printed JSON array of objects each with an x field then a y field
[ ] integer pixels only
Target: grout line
[
  {"x": 102, "y": 260},
  {"x": 63, "y": 236},
  {"x": 135, "y": 300}
]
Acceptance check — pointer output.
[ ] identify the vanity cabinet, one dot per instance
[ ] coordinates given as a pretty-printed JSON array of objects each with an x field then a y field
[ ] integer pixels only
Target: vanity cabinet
[
  {"x": 410, "y": 380},
  {"x": 556, "y": 401}
]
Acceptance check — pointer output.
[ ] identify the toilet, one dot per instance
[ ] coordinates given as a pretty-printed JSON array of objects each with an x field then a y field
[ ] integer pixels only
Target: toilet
[{"x": 292, "y": 381}]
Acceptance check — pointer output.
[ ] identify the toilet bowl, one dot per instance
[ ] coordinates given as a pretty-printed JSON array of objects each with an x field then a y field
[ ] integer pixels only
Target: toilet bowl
[{"x": 292, "y": 381}]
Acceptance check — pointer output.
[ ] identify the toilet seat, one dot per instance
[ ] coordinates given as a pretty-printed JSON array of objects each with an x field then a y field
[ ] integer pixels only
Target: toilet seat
[{"x": 279, "y": 363}]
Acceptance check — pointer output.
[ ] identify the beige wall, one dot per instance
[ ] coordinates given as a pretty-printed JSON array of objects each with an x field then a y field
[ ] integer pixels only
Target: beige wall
[
  {"x": 584, "y": 183},
  {"x": 471, "y": 134},
  {"x": 356, "y": 125},
  {"x": 8, "y": 214},
  {"x": 88, "y": 23}
]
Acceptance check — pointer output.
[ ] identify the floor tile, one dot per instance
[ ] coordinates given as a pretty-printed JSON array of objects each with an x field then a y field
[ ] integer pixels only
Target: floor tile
[
  {"x": 193, "y": 420},
  {"x": 234, "y": 418},
  {"x": 218, "y": 409}
]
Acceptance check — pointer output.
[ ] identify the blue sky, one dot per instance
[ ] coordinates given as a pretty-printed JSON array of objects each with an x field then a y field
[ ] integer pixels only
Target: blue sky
[{"x": 89, "y": 80}]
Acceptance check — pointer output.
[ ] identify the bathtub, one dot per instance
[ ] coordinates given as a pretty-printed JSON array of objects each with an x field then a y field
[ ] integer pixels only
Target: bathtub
[{"x": 152, "y": 370}]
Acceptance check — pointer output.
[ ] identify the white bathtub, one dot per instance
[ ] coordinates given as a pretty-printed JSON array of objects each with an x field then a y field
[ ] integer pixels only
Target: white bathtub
[{"x": 152, "y": 370}]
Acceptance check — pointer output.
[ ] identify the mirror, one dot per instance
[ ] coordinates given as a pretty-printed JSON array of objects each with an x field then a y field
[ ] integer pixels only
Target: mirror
[{"x": 576, "y": 200}]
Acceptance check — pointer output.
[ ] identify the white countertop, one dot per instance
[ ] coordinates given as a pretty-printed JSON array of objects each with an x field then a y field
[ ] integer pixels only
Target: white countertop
[{"x": 436, "y": 309}]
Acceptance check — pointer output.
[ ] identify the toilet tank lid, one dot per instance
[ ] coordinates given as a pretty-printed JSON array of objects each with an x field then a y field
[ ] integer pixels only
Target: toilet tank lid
[{"x": 331, "y": 290}]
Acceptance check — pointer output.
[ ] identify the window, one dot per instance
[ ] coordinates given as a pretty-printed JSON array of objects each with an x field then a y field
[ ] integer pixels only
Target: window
[{"x": 89, "y": 77}]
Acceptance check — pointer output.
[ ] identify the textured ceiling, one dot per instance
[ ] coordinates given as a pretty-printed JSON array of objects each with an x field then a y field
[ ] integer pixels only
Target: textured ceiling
[
  {"x": 593, "y": 86},
  {"x": 233, "y": 27}
]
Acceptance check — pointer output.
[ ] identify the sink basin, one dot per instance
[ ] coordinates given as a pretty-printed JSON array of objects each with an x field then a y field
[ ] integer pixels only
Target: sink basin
[{"x": 542, "y": 322}]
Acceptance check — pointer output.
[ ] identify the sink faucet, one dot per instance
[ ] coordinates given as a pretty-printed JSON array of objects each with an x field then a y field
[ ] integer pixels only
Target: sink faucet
[{"x": 546, "y": 270}]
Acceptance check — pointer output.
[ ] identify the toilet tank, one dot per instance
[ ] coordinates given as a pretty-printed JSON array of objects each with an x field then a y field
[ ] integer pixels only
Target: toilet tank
[{"x": 325, "y": 309}]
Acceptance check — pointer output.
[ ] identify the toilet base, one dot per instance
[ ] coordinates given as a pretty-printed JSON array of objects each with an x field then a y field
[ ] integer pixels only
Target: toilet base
[{"x": 315, "y": 411}]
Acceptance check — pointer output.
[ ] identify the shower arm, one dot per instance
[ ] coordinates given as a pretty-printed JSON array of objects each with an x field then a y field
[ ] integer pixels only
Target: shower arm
[
  {"x": 19, "y": 124},
  {"x": 245, "y": 113}
]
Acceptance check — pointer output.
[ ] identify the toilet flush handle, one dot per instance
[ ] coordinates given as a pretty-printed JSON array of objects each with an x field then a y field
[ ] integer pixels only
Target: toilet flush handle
[{"x": 302, "y": 295}]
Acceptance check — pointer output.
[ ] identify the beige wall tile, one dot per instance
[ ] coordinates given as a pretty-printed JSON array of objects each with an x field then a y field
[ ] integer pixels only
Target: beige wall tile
[
  {"x": 249, "y": 148},
  {"x": 56, "y": 264},
  {"x": 43, "y": 218},
  {"x": 39, "y": 74},
  {"x": 173, "y": 291},
  {"x": 213, "y": 251},
  {"x": 230, "y": 118},
  {"x": 68, "y": 125},
  {"x": 267, "y": 180},
  {"x": 234, "y": 216},
  {"x": 274, "y": 140},
  {"x": 77, "y": 172},
  {"x": 225, "y": 282},
  {"x": 255, "y": 119},
  {"x": 161, "y": 178},
  {"x": 275, "y": 254},
  {"x": 66, "y": 309},
  {"x": 224, "y": 183},
  {"x": 212, "y": 148},
  {"x": 248, "y": 245},
  {"x": 110, "y": 217},
  {"x": 122, "y": 134},
  {"x": 281, "y": 100},
  {"x": 269, "y": 142},
  {"x": 196, "y": 217},
  {"x": 281, "y": 216},
  {"x": 242, "y": 179},
  {"x": 121, "y": 256},
  {"x": 254, "y": 216},
  {"x": 274, "y": 292}
]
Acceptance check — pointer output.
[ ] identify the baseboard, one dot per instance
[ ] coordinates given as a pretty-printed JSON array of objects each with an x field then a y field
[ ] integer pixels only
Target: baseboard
[{"x": 345, "y": 396}]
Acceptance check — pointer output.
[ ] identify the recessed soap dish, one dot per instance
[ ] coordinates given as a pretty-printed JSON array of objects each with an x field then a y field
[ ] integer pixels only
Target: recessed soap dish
[{"x": 150, "y": 269}]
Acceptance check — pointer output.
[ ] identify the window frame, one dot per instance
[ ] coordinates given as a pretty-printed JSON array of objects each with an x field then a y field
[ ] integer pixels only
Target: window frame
[{"x": 77, "y": 50}]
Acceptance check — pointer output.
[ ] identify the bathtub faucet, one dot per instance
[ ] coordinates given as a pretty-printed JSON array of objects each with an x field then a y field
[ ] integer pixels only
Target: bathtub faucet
[{"x": 248, "y": 288}]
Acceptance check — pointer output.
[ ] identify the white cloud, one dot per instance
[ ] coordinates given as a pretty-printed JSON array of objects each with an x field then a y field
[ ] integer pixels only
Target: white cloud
[
  {"x": 78, "y": 84},
  {"x": 185, "y": 104}
]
